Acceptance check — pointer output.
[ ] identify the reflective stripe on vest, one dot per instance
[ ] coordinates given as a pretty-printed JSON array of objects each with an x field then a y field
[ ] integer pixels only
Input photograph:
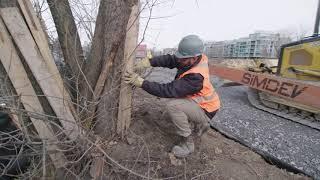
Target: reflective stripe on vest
[{"x": 200, "y": 99}]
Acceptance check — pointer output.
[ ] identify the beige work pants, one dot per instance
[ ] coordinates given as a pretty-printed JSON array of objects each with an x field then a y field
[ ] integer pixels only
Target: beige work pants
[{"x": 183, "y": 112}]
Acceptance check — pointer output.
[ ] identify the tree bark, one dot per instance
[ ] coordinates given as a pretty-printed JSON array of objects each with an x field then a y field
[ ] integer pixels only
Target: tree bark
[
  {"x": 107, "y": 55},
  {"x": 68, "y": 37}
]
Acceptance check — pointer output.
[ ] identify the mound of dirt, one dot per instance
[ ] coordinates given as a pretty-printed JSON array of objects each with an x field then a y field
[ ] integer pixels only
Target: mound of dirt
[{"x": 147, "y": 151}]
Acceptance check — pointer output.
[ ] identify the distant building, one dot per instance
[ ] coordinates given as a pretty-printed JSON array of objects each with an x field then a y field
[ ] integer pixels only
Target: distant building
[
  {"x": 169, "y": 51},
  {"x": 156, "y": 52},
  {"x": 164, "y": 51},
  {"x": 214, "y": 49},
  {"x": 258, "y": 45}
]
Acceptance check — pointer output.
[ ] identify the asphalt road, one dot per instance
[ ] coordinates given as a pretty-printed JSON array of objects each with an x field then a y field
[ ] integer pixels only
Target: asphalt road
[{"x": 291, "y": 144}]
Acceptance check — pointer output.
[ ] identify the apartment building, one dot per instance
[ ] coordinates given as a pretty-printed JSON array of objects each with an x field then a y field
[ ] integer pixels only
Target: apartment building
[
  {"x": 169, "y": 51},
  {"x": 258, "y": 45}
]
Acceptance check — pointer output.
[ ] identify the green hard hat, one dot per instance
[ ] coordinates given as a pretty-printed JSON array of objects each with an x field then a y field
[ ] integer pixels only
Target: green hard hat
[{"x": 189, "y": 46}]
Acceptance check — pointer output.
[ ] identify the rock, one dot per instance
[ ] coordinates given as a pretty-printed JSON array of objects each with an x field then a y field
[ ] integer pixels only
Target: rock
[
  {"x": 130, "y": 140},
  {"x": 217, "y": 150},
  {"x": 174, "y": 161},
  {"x": 111, "y": 143}
]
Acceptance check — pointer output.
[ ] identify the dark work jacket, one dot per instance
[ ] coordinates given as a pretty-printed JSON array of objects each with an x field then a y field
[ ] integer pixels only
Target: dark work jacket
[{"x": 178, "y": 88}]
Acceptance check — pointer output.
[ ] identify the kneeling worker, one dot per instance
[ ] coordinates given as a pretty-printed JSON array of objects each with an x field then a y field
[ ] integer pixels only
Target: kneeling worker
[{"x": 193, "y": 96}]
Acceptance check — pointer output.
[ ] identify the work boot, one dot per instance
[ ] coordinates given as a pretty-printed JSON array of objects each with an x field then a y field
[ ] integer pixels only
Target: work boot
[
  {"x": 185, "y": 147},
  {"x": 201, "y": 128}
]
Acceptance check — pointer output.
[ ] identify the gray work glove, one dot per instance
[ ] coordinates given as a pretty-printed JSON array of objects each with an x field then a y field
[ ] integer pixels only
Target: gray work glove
[{"x": 133, "y": 79}]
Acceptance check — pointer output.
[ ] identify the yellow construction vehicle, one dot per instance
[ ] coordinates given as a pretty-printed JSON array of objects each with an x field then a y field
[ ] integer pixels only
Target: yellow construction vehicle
[{"x": 292, "y": 90}]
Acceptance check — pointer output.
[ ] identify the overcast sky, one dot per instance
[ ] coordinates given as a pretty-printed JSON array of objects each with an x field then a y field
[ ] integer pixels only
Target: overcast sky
[{"x": 225, "y": 19}]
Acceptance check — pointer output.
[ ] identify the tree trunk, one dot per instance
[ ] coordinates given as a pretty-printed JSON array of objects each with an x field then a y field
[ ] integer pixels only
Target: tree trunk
[
  {"x": 69, "y": 38},
  {"x": 125, "y": 99},
  {"x": 107, "y": 56}
]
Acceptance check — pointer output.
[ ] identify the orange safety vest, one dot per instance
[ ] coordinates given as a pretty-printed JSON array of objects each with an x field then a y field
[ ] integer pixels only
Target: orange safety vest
[{"x": 207, "y": 98}]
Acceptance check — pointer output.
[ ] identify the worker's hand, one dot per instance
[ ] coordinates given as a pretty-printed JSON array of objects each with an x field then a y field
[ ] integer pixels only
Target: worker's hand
[
  {"x": 142, "y": 64},
  {"x": 133, "y": 79}
]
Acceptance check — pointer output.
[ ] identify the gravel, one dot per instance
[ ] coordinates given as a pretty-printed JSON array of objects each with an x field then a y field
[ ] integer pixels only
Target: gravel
[{"x": 288, "y": 142}]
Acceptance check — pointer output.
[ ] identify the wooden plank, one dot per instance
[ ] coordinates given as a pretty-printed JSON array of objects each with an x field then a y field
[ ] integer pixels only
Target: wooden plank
[
  {"x": 125, "y": 100},
  {"x": 18, "y": 76},
  {"x": 283, "y": 87},
  {"x": 41, "y": 40},
  {"x": 48, "y": 84}
]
